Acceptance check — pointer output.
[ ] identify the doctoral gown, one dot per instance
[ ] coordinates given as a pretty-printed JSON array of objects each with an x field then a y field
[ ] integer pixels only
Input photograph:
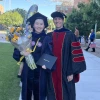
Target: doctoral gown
[
  {"x": 70, "y": 60},
  {"x": 38, "y": 74}
]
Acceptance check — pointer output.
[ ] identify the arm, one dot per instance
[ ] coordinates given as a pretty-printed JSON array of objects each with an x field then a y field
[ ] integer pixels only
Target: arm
[
  {"x": 47, "y": 49},
  {"x": 78, "y": 61},
  {"x": 16, "y": 55}
]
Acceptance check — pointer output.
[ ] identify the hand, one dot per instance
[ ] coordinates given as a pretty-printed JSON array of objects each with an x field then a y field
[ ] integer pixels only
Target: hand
[
  {"x": 24, "y": 53},
  {"x": 44, "y": 67},
  {"x": 70, "y": 78}
]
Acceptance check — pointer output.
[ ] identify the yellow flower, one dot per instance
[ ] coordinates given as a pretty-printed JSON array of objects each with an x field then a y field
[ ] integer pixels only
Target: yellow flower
[
  {"x": 12, "y": 29},
  {"x": 15, "y": 38},
  {"x": 7, "y": 39},
  {"x": 29, "y": 36},
  {"x": 19, "y": 29}
]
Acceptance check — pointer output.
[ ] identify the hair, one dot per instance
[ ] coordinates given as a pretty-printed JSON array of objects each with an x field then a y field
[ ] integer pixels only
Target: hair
[
  {"x": 76, "y": 27},
  {"x": 92, "y": 29},
  {"x": 33, "y": 29},
  {"x": 59, "y": 17}
]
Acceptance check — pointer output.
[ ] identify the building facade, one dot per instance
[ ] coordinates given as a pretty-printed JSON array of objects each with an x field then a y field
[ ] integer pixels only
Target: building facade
[
  {"x": 68, "y": 5},
  {"x": 1, "y": 9}
]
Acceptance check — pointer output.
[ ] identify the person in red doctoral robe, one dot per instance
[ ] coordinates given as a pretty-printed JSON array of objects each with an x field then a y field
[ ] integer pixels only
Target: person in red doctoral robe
[{"x": 70, "y": 61}]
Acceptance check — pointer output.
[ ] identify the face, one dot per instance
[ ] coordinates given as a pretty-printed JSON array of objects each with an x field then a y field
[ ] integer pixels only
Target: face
[
  {"x": 38, "y": 25},
  {"x": 91, "y": 30},
  {"x": 58, "y": 22}
]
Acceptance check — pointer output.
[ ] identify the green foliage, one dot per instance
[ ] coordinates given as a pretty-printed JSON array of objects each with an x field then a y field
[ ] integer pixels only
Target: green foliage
[
  {"x": 22, "y": 12},
  {"x": 51, "y": 24},
  {"x": 11, "y": 18},
  {"x": 84, "y": 18},
  {"x": 9, "y": 83},
  {"x": 96, "y": 1}
]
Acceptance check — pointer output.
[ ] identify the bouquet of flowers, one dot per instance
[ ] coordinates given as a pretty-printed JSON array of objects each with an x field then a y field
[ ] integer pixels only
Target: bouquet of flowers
[{"x": 21, "y": 39}]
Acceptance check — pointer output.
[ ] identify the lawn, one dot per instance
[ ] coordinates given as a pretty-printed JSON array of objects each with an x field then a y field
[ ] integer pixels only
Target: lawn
[{"x": 9, "y": 83}]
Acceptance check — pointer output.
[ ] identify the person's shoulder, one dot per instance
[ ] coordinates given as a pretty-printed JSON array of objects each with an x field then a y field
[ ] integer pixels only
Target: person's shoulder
[
  {"x": 77, "y": 30},
  {"x": 42, "y": 37},
  {"x": 49, "y": 34},
  {"x": 69, "y": 32},
  {"x": 66, "y": 29}
]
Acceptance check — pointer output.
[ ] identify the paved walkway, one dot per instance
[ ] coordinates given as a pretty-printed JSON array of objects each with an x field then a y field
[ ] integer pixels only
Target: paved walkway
[
  {"x": 98, "y": 43},
  {"x": 89, "y": 86}
]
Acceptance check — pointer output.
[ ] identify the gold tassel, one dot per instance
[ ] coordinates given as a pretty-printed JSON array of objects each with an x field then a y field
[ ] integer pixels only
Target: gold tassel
[
  {"x": 30, "y": 51},
  {"x": 21, "y": 58}
]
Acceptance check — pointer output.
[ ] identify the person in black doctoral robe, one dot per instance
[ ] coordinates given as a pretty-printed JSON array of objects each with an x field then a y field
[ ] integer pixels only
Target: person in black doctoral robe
[
  {"x": 70, "y": 61},
  {"x": 33, "y": 81}
]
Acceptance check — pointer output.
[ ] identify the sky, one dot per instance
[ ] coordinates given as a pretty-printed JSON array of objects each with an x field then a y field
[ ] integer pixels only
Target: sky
[{"x": 45, "y": 7}]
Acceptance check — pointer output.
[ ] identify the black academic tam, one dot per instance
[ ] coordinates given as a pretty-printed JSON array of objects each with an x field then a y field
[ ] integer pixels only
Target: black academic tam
[
  {"x": 38, "y": 16},
  {"x": 58, "y": 14}
]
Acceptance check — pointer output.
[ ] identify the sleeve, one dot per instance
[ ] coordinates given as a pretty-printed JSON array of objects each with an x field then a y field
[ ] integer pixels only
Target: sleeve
[
  {"x": 94, "y": 37},
  {"x": 47, "y": 48},
  {"x": 78, "y": 60},
  {"x": 16, "y": 55},
  {"x": 47, "y": 45}
]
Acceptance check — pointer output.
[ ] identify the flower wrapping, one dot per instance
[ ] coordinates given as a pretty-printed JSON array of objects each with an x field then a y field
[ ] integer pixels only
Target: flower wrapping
[{"x": 21, "y": 39}]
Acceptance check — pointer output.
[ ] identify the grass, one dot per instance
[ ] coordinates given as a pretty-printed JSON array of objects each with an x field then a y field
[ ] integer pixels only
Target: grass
[{"x": 9, "y": 84}]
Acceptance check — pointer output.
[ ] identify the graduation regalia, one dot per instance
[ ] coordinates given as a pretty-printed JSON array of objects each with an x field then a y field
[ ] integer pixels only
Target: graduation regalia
[
  {"x": 70, "y": 61},
  {"x": 36, "y": 74},
  {"x": 33, "y": 81}
]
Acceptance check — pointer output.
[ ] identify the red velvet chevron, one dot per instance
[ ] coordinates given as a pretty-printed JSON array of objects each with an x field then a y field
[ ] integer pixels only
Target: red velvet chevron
[
  {"x": 75, "y": 44},
  {"x": 77, "y": 51}
]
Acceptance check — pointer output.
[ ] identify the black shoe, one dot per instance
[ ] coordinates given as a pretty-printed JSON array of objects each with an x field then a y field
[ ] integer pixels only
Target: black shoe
[
  {"x": 18, "y": 76},
  {"x": 92, "y": 51},
  {"x": 86, "y": 49}
]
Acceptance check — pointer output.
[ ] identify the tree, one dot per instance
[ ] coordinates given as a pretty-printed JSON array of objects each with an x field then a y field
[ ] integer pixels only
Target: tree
[
  {"x": 11, "y": 19},
  {"x": 51, "y": 24},
  {"x": 22, "y": 12},
  {"x": 75, "y": 19},
  {"x": 84, "y": 18}
]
